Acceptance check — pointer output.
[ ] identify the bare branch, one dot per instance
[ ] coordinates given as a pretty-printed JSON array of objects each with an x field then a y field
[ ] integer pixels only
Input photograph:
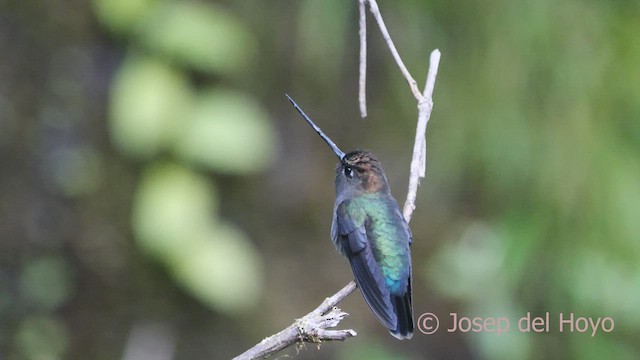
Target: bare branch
[
  {"x": 373, "y": 6},
  {"x": 362, "y": 94},
  {"x": 419, "y": 159},
  {"x": 310, "y": 328},
  {"x": 434, "y": 63},
  {"x": 425, "y": 105}
]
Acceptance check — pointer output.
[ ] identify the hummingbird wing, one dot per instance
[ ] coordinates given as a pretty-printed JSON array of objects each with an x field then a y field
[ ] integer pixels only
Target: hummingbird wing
[
  {"x": 350, "y": 237},
  {"x": 404, "y": 222}
]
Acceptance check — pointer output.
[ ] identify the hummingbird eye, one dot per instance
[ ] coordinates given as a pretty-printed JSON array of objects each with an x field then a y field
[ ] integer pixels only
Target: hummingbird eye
[{"x": 348, "y": 172}]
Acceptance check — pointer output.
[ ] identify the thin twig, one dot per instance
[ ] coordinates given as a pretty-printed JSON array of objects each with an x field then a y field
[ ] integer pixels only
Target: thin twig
[
  {"x": 434, "y": 63},
  {"x": 362, "y": 94},
  {"x": 375, "y": 10},
  {"x": 419, "y": 158},
  {"x": 310, "y": 328}
]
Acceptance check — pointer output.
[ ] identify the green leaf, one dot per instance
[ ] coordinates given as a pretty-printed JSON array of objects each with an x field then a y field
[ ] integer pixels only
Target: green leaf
[
  {"x": 147, "y": 102},
  {"x": 228, "y": 132},
  {"x": 171, "y": 204},
  {"x": 221, "y": 268},
  {"x": 199, "y": 35},
  {"x": 46, "y": 282},
  {"x": 174, "y": 221},
  {"x": 42, "y": 337},
  {"x": 121, "y": 16}
]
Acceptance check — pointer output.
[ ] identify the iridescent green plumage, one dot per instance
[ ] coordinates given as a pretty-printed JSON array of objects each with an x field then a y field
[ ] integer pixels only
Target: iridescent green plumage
[
  {"x": 370, "y": 231},
  {"x": 390, "y": 245}
]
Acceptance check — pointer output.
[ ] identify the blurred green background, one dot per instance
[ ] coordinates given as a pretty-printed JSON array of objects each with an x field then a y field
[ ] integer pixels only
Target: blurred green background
[{"x": 160, "y": 198}]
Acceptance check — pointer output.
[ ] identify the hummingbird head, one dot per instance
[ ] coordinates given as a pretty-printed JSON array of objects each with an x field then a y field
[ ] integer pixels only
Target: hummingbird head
[{"x": 360, "y": 172}]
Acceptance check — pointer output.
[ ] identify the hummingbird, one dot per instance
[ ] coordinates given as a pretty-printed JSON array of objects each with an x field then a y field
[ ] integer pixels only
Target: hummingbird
[{"x": 370, "y": 231}]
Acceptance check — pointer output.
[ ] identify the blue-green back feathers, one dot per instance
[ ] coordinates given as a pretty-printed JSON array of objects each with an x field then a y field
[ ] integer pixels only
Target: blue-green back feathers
[{"x": 371, "y": 232}]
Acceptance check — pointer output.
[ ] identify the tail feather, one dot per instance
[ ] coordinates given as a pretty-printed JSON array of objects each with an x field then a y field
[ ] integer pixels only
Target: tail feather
[
  {"x": 395, "y": 312},
  {"x": 403, "y": 307}
]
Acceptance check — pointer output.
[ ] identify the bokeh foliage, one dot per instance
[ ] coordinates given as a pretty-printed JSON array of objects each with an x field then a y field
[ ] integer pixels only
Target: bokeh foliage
[
  {"x": 141, "y": 180},
  {"x": 157, "y": 111}
]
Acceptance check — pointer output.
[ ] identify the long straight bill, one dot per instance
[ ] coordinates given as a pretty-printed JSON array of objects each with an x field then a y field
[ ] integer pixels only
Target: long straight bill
[{"x": 315, "y": 127}]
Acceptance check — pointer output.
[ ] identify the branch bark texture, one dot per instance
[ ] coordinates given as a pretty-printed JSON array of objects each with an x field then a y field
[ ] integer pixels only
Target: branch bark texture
[
  {"x": 419, "y": 158},
  {"x": 362, "y": 93},
  {"x": 313, "y": 327}
]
